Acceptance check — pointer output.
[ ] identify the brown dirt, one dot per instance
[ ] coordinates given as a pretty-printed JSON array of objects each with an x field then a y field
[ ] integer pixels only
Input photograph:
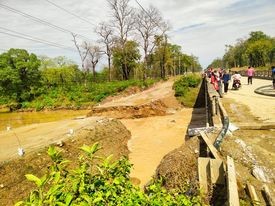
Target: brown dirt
[
  {"x": 156, "y": 108},
  {"x": 157, "y": 122},
  {"x": 110, "y": 133},
  {"x": 179, "y": 167}
]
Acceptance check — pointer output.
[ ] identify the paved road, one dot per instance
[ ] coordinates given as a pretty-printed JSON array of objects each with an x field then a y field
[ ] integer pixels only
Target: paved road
[{"x": 261, "y": 106}]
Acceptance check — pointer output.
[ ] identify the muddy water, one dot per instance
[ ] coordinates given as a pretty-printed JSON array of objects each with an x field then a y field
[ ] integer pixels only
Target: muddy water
[
  {"x": 152, "y": 138},
  {"x": 18, "y": 119}
]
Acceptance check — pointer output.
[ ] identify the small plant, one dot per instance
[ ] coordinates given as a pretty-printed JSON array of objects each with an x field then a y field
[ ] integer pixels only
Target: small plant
[
  {"x": 186, "y": 89},
  {"x": 105, "y": 183}
]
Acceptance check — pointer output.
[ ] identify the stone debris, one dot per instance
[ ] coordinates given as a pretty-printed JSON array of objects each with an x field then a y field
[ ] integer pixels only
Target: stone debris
[
  {"x": 258, "y": 173},
  {"x": 20, "y": 151},
  {"x": 60, "y": 143}
]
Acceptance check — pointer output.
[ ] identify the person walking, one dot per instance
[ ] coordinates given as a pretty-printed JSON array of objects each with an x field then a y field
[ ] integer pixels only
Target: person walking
[
  {"x": 226, "y": 78},
  {"x": 250, "y": 73},
  {"x": 215, "y": 79},
  {"x": 273, "y": 76}
]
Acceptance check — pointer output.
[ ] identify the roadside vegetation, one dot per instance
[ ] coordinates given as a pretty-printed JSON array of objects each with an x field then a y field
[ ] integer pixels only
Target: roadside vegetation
[
  {"x": 187, "y": 89},
  {"x": 97, "y": 181},
  {"x": 258, "y": 50},
  {"x": 134, "y": 43}
]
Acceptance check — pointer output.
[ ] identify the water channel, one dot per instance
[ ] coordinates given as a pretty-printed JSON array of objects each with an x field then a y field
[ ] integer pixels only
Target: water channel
[{"x": 18, "y": 119}]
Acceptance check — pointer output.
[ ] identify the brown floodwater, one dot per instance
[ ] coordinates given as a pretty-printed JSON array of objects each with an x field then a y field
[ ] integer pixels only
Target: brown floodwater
[{"x": 18, "y": 119}]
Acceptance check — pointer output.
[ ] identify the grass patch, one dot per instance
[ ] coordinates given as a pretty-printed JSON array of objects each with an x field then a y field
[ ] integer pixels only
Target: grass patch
[{"x": 190, "y": 98}]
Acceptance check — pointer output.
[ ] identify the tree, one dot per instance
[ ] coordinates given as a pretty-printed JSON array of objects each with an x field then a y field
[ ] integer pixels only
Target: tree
[
  {"x": 19, "y": 75},
  {"x": 83, "y": 51},
  {"x": 59, "y": 61},
  {"x": 94, "y": 56},
  {"x": 106, "y": 34},
  {"x": 147, "y": 24},
  {"x": 257, "y": 50},
  {"x": 125, "y": 59},
  {"x": 217, "y": 63},
  {"x": 65, "y": 76},
  {"x": 123, "y": 24}
]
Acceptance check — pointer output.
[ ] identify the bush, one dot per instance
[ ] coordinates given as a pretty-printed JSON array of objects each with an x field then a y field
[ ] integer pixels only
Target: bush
[
  {"x": 183, "y": 85},
  {"x": 186, "y": 89},
  {"x": 105, "y": 183}
]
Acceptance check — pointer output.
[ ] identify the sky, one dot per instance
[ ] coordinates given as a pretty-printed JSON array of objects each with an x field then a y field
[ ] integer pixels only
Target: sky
[{"x": 201, "y": 27}]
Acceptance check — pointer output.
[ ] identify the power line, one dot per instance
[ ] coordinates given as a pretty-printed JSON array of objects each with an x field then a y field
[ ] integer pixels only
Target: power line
[
  {"x": 38, "y": 39},
  {"x": 40, "y": 20},
  {"x": 67, "y": 11},
  {"x": 27, "y": 38},
  {"x": 147, "y": 13}
]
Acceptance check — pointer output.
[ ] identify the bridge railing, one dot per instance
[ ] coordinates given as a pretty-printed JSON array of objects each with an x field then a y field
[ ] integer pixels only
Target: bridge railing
[
  {"x": 216, "y": 113},
  {"x": 264, "y": 74}
]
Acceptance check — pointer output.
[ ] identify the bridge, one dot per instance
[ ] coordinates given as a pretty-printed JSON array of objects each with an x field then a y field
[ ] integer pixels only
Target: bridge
[{"x": 254, "y": 114}]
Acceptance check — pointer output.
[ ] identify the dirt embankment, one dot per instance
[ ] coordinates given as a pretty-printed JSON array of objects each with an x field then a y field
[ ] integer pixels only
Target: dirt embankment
[
  {"x": 110, "y": 133},
  {"x": 158, "y": 125},
  {"x": 156, "y": 108}
]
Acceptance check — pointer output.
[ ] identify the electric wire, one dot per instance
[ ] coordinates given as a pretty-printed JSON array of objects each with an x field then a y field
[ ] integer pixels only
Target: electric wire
[
  {"x": 148, "y": 14},
  {"x": 38, "y": 39},
  {"x": 69, "y": 12},
  {"x": 27, "y": 38},
  {"x": 41, "y": 21}
]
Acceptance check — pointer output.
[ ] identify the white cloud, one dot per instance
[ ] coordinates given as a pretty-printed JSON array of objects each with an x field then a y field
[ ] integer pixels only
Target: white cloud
[{"x": 200, "y": 27}]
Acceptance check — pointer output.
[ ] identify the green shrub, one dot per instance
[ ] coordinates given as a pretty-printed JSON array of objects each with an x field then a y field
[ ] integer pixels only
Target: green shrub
[
  {"x": 105, "y": 183},
  {"x": 186, "y": 89},
  {"x": 182, "y": 85}
]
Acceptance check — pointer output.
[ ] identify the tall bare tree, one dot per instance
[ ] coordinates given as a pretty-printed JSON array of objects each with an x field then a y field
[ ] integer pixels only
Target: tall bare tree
[
  {"x": 123, "y": 24},
  {"x": 148, "y": 23},
  {"x": 106, "y": 34},
  {"x": 83, "y": 50},
  {"x": 94, "y": 55}
]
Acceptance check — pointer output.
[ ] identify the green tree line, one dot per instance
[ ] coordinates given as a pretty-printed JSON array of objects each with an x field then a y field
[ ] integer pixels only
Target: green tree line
[
  {"x": 137, "y": 48},
  {"x": 28, "y": 81},
  {"x": 258, "y": 50}
]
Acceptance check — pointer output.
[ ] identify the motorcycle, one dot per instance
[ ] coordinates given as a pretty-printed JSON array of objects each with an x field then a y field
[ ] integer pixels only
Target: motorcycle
[{"x": 236, "y": 84}]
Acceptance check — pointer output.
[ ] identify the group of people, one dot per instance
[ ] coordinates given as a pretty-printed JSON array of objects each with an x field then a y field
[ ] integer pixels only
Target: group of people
[{"x": 220, "y": 79}]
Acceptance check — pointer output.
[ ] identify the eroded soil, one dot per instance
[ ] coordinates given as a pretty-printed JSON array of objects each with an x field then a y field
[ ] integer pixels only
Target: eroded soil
[{"x": 157, "y": 124}]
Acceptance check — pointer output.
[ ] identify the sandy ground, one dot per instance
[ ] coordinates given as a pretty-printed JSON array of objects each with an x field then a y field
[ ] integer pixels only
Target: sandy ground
[
  {"x": 260, "y": 106},
  {"x": 152, "y": 138},
  {"x": 35, "y": 136}
]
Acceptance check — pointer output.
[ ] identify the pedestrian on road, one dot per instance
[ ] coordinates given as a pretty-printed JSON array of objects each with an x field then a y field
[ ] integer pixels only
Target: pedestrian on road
[
  {"x": 226, "y": 78},
  {"x": 250, "y": 73},
  {"x": 215, "y": 80},
  {"x": 273, "y": 76}
]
